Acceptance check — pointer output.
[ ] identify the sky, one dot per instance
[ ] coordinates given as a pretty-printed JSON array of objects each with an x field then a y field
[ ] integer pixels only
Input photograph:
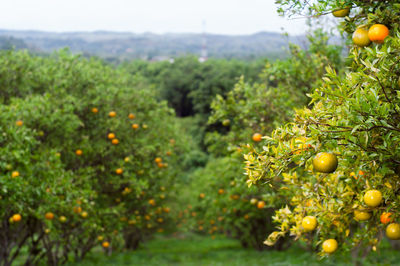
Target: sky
[{"x": 138, "y": 16}]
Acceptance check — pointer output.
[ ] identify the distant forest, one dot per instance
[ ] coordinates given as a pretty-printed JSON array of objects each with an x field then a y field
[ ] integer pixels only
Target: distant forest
[{"x": 121, "y": 46}]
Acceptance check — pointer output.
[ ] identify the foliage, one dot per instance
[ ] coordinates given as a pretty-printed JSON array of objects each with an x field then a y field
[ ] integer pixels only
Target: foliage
[
  {"x": 55, "y": 125},
  {"x": 354, "y": 116}
]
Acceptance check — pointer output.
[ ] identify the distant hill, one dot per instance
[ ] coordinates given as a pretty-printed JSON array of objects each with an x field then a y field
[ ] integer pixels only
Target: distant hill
[{"x": 125, "y": 45}]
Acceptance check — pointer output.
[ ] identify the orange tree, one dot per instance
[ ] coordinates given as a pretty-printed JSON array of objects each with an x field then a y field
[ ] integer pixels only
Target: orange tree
[
  {"x": 338, "y": 161},
  {"x": 218, "y": 198},
  {"x": 118, "y": 146},
  {"x": 36, "y": 190}
]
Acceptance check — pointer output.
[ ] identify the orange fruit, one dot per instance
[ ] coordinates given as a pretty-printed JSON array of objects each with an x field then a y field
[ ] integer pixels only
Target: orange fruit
[
  {"x": 131, "y": 116},
  {"x": 49, "y": 216},
  {"x": 135, "y": 126},
  {"x": 158, "y": 160},
  {"x": 260, "y": 204},
  {"x": 166, "y": 209},
  {"x": 84, "y": 214},
  {"x": 385, "y": 217},
  {"x": 361, "y": 215},
  {"x": 115, "y": 141},
  {"x": 152, "y": 202},
  {"x": 111, "y": 136},
  {"x": 119, "y": 171},
  {"x": 78, "y": 152},
  {"x": 77, "y": 209},
  {"x": 377, "y": 33},
  {"x": 105, "y": 244},
  {"x": 226, "y": 122},
  {"x": 257, "y": 137},
  {"x": 393, "y": 231},
  {"x": 221, "y": 191},
  {"x": 329, "y": 245},
  {"x": 309, "y": 223},
  {"x": 19, "y": 123},
  {"x": 168, "y": 153},
  {"x": 95, "y": 110},
  {"x": 325, "y": 162},
  {"x": 373, "y": 198},
  {"x": 202, "y": 195},
  {"x": 62, "y": 219},
  {"x": 341, "y": 13},
  {"x": 15, "y": 174},
  {"x": 16, "y": 217},
  {"x": 112, "y": 114},
  {"x": 360, "y": 37}
]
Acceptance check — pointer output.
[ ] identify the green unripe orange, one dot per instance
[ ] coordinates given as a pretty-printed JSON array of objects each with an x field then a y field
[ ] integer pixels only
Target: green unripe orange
[{"x": 325, "y": 162}]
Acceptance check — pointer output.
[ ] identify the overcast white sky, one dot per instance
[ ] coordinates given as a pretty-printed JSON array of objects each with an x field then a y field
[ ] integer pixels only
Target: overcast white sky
[{"x": 159, "y": 16}]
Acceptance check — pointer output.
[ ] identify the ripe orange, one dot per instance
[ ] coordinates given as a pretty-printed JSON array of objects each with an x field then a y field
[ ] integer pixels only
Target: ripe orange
[
  {"x": 260, "y": 204},
  {"x": 115, "y": 141},
  {"x": 158, "y": 160},
  {"x": 329, "y": 245},
  {"x": 152, "y": 202},
  {"x": 84, "y": 214},
  {"x": 373, "y": 198},
  {"x": 131, "y": 116},
  {"x": 341, "y": 13},
  {"x": 377, "y": 33},
  {"x": 95, "y": 110},
  {"x": 105, "y": 244},
  {"x": 135, "y": 126},
  {"x": 325, "y": 162},
  {"x": 168, "y": 153},
  {"x": 111, "y": 136},
  {"x": 78, "y": 152},
  {"x": 393, "y": 231},
  {"x": 385, "y": 217},
  {"x": 309, "y": 223},
  {"x": 257, "y": 137},
  {"x": 19, "y": 123},
  {"x": 16, "y": 217},
  {"x": 49, "y": 216},
  {"x": 221, "y": 191},
  {"x": 166, "y": 209},
  {"x": 119, "y": 171},
  {"x": 361, "y": 215},
  {"x": 112, "y": 114},
  {"x": 77, "y": 209},
  {"x": 360, "y": 37},
  {"x": 15, "y": 174}
]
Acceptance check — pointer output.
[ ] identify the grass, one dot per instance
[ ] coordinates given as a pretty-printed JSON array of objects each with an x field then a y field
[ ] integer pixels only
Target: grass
[{"x": 199, "y": 250}]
